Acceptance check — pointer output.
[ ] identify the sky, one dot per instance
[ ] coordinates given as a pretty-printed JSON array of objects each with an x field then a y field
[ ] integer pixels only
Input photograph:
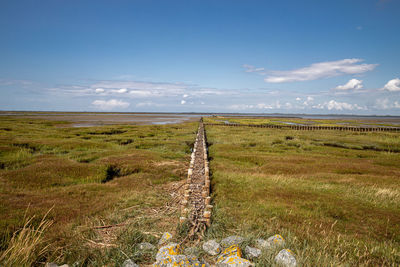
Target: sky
[{"x": 248, "y": 56}]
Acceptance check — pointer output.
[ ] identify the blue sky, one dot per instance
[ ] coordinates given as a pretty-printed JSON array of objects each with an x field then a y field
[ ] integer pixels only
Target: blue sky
[{"x": 203, "y": 56}]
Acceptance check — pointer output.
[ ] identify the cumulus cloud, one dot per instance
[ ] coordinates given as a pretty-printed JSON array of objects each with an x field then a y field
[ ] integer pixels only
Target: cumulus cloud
[
  {"x": 334, "y": 105},
  {"x": 384, "y": 103},
  {"x": 298, "y": 99},
  {"x": 183, "y": 102},
  {"x": 308, "y": 101},
  {"x": 99, "y": 90},
  {"x": 315, "y": 71},
  {"x": 352, "y": 84},
  {"x": 110, "y": 104},
  {"x": 392, "y": 85}
]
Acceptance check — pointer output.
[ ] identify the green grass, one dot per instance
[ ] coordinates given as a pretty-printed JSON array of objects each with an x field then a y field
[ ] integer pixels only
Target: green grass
[
  {"x": 335, "y": 204},
  {"x": 288, "y": 121},
  {"x": 92, "y": 176},
  {"x": 334, "y": 196}
]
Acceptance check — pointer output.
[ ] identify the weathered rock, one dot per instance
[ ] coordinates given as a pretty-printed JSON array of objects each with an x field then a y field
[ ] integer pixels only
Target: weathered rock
[
  {"x": 276, "y": 241},
  {"x": 234, "y": 261},
  {"x": 252, "y": 252},
  {"x": 232, "y": 256},
  {"x": 64, "y": 265},
  {"x": 166, "y": 237},
  {"x": 51, "y": 264},
  {"x": 146, "y": 246},
  {"x": 168, "y": 250},
  {"x": 231, "y": 251},
  {"x": 212, "y": 247},
  {"x": 129, "y": 263},
  {"x": 286, "y": 257},
  {"x": 231, "y": 240},
  {"x": 262, "y": 244},
  {"x": 170, "y": 255}
]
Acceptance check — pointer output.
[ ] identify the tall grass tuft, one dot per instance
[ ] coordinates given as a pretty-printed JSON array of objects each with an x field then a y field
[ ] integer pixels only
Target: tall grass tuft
[{"x": 27, "y": 244}]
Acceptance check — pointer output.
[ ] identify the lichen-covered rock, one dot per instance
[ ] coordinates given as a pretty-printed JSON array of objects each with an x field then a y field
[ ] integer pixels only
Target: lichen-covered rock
[
  {"x": 231, "y": 251},
  {"x": 252, "y": 252},
  {"x": 231, "y": 240},
  {"x": 232, "y": 256},
  {"x": 212, "y": 247},
  {"x": 234, "y": 261},
  {"x": 168, "y": 250},
  {"x": 286, "y": 258},
  {"x": 262, "y": 244},
  {"x": 166, "y": 237},
  {"x": 129, "y": 263},
  {"x": 276, "y": 241},
  {"x": 170, "y": 255},
  {"x": 178, "y": 260},
  {"x": 146, "y": 246}
]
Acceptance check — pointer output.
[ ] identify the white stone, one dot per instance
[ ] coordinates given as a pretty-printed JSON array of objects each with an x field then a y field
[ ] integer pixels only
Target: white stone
[
  {"x": 212, "y": 247},
  {"x": 252, "y": 252},
  {"x": 276, "y": 241},
  {"x": 286, "y": 258}
]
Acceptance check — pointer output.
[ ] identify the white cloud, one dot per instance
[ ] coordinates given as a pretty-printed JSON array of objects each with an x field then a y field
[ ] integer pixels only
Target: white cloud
[
  {"x": 120, "y": 91},
  {"x": 148, "y": 104},
  {"x": 298, "y": 99},
  {"x": 334, "y": 105},
  {"x": 352, "y": 84},
  {"x": 384, "y": 103},
  {"x": 110, "y": 104},
  {"x": 315, "y": 71},
  {"x": 251, "y": 68},
  {"x": 276, "y": 105},
  {"x": 392, "y": 85},
  {"x": 99, "y": 90},
  {"x": 309, "y": 101},
  {"x": 183, "y": 102},
  {"x": 185, "y": 95}
]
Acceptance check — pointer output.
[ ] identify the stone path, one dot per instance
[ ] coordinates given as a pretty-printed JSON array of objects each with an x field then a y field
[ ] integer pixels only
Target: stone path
[{"x": 196, "y": 208}]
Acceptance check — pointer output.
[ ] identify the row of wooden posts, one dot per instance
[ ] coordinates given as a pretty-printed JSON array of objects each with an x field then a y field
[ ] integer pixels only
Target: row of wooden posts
[
  {"x": 313, "y": 128},
  {"x": 206, "y": 218}
]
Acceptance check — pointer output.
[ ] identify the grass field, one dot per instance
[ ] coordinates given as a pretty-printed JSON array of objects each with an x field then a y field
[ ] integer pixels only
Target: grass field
[
  {"x": 90, "y": 177},
  {"x": 371, "y": 122},
  {"x": 334, "y": 195}
]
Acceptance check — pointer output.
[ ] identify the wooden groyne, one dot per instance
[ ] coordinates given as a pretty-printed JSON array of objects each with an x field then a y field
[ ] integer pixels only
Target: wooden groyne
[
  {"x": 311, "y": 128},
  {"x": 195, "y": 207}
]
